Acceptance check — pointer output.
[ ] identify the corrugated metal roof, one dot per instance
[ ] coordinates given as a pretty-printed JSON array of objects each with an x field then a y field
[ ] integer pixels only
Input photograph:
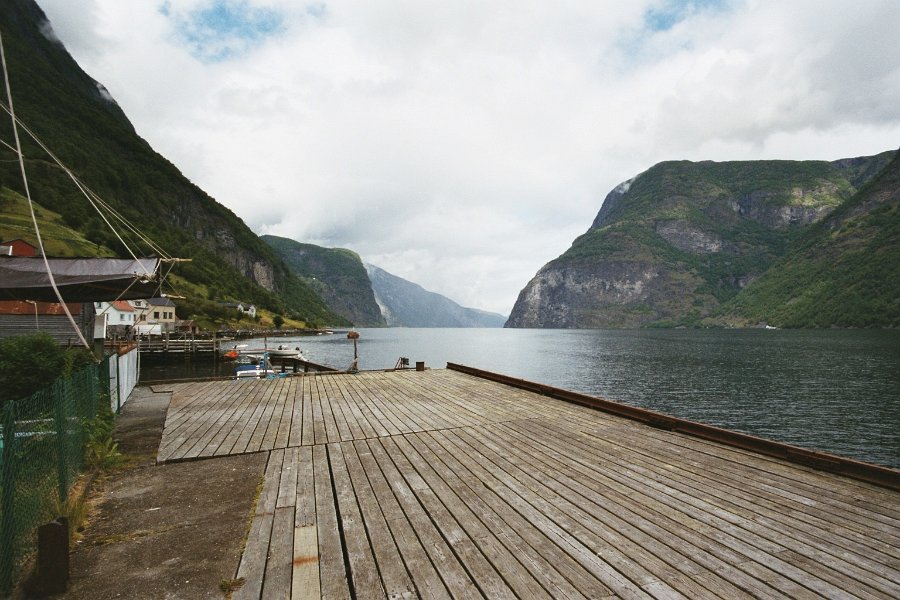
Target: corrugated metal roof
[{"x": 20, "y": 307}]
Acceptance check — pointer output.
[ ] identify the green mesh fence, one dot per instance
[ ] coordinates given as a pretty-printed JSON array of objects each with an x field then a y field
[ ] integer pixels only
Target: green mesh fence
[{"x": 43, "y": 439}]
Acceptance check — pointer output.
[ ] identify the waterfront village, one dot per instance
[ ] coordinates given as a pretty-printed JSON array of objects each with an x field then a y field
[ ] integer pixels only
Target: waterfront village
[{"x": 116, "y": 320}]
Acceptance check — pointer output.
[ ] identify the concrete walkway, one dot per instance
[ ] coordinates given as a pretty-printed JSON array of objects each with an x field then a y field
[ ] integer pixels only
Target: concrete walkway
[{"x": 167, "y": 531}]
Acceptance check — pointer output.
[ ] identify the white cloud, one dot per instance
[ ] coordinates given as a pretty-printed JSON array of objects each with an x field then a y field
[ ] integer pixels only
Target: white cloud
[{"x": 462, "y": 145}]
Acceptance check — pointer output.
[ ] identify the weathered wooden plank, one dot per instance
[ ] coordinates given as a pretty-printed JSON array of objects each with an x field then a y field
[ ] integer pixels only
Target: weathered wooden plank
[
  {"x": 305, "y": 575},
  {"x": 394, "y": 577},
  {"x": 332, "y": 570},
  {"x": 727, "y": 544},
  {"x": 318, "y": 420},
  {"x": 446, "y": 486},
  {"x": 241, "y": 424},
  {"x": 252, "y": 568},
  {"x": 298, "y": 386},
  {"x": 643, "y": 560},
  {"x": 538, "y": 566},
  {"x": 264, "y": 436},
  {"x": 339, "y": 410},
  {"x": 287, "y": 486},
  {"x": 359, "y": 426},
  {"x": 859, "y": 502},
  {"x": 308, "y": 436},
  {"x": 305, "y": 583},
  {"x": 248, "y": 440},
  {"x": 574, "y": 560},
  {"x": 180, "y": 438},
  {"x": 381, "y": 425},
  {"x": 332, "y": 434},
  {"x": 860, "y": 567},
  {"x": 224, "y": 425},
  {"x": 776, "y": 511},
  {"x": 282, "y": 434},
  {"x": 278, "y": 576},
  {"x": 363, "y": 569},
  {"x": 422, "y": 572}
]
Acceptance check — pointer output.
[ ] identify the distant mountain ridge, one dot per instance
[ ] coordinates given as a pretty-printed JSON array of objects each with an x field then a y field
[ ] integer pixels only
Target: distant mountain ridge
[
  {"x": 368, "y": 296},
  {"x": 677, "y": 244},
  {"x": 406, "y": 304}
]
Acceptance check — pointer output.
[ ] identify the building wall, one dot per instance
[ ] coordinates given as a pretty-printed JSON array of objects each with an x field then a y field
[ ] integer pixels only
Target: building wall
[{"x": 58, "y": 326}]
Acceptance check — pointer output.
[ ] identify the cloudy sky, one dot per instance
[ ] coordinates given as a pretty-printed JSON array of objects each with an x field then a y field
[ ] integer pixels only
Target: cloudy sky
[{"x": 463, "y": 144}]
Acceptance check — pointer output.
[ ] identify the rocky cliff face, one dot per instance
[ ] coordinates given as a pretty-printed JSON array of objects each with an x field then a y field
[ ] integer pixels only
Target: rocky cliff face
[
  {"x": 406, "y": 304},
  {"x": 670, "y": 245},
  {"x": 336, "y": 274}
]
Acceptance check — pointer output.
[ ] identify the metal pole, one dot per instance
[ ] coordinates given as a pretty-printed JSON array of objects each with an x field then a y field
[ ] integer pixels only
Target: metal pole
[
  {"x": 118, "y": 382},
  {"x": 60, "y": 417}
]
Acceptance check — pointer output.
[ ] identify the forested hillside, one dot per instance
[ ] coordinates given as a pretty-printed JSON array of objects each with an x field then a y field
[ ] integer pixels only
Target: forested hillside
[
  {"x": 844, "y": 272},
  {"x": 336, "y": 274},
  {"x": 676, "y": 244},
  {"x": 75, "y": 117}
]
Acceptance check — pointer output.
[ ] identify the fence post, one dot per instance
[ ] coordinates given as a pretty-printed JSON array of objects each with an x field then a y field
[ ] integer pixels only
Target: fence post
[
  {"x": 59, "y": 415},
  {"x": 7, "y": 501},
  {"x": 118, "y": 382}
]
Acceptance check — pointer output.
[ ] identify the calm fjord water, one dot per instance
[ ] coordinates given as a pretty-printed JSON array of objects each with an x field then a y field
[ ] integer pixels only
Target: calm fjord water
[{"x": 836, "y": 391}]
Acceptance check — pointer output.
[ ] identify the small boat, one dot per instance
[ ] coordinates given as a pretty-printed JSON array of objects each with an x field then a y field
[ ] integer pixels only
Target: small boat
[
  {"x": 234, "y": 352},
  {"x": 257, "y": 369},
  {"x": 252, "y": 372},
  {"x": 286, "y": 352}
]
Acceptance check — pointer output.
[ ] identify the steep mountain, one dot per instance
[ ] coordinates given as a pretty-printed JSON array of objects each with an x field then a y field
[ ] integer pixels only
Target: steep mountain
[
  {"x": 77, "y": 118},
  {"x": 671, "y": 245},
  {"x": 406, "y": 304},
  {"x": 336, "y": 274},
  {"x": 844, "y": 272}
]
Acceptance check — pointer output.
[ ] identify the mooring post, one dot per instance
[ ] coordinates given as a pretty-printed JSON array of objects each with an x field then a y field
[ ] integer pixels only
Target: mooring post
[
  {"x": 52, "y": 574},
  {"x": 354, "y": 335}
]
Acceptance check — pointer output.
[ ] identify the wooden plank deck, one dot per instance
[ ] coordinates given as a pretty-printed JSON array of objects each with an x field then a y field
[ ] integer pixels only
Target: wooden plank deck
[{"x": 439, "y": 484}]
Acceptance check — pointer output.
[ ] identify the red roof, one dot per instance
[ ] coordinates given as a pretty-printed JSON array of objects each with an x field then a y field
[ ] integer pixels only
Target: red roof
[
  {"x": 17, "y": 307},
  {"x": 122, "y": 306},
  {"x": 21, "y": 247}
]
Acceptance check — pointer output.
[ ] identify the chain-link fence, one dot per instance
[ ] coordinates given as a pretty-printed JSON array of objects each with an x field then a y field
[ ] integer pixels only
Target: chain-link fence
[{"x": 41, "y": 452}]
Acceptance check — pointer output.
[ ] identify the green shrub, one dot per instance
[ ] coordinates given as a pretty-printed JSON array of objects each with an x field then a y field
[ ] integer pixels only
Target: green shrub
[{"x": 31, "y": 362}]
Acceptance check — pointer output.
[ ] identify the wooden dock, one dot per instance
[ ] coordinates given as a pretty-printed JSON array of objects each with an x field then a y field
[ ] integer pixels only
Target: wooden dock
[{"x": 442, "y": 484}]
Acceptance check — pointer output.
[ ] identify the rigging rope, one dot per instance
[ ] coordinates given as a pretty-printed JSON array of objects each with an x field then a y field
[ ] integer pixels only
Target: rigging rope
[
  {"x": 95, "y": 201},
  {"x": 30, "y": 203}
]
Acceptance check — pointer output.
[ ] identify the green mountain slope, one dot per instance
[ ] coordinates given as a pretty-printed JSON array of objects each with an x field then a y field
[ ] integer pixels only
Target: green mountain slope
[
  {"x": 336, "y": 274},
  {"x": 87, "y": 130},
  {"x": 844, "y": 272},
  {"x": 672, "y": 245}
]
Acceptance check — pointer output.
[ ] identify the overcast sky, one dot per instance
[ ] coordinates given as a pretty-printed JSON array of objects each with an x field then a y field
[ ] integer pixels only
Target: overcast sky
[{"x": 464, "y": 144}]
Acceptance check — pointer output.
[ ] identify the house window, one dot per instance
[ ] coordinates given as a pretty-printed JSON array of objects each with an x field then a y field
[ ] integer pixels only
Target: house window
[{"x": 155, "y": 314}]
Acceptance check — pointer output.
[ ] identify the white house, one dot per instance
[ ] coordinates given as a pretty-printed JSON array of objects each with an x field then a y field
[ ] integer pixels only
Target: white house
[
  {"x": 116, "y": 318},
  {"x": 244, "y": 309},
  {"x": 157, "y": 318}
]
